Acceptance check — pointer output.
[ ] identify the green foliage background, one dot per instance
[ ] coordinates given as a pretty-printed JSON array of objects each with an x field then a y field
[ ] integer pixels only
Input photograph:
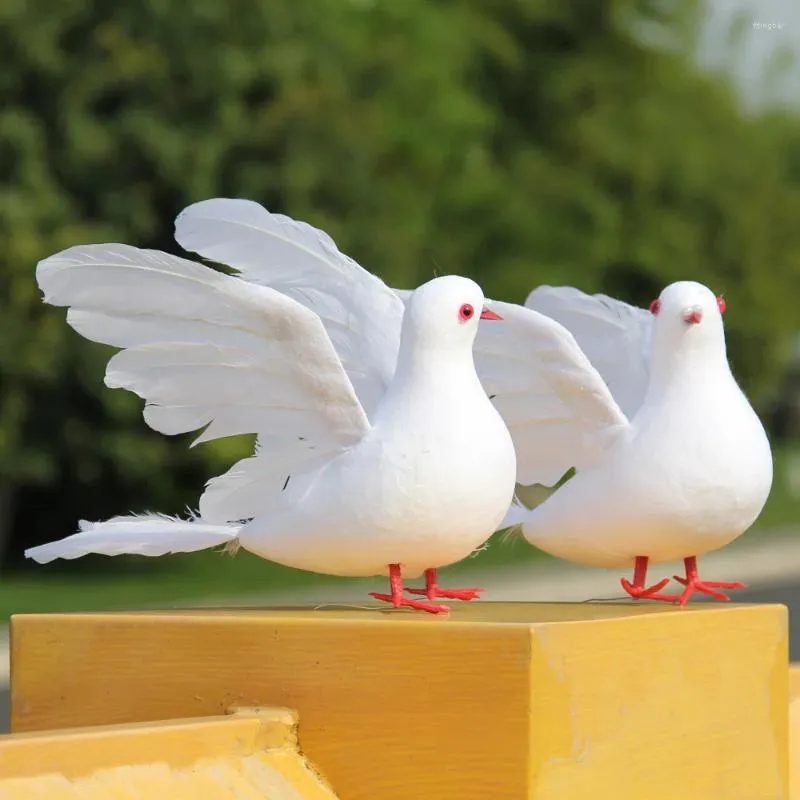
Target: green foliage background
[{"x": 516, "y": 142}]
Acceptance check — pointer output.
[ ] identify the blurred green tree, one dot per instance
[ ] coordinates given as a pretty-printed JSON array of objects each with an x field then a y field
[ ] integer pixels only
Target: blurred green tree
[{"x": 515, "y": 142}]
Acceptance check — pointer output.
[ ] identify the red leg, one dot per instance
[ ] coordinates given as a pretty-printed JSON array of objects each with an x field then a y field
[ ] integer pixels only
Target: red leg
[
  {"x": 396, "y": 597},
  {"x": 432, "y": 590},
  {"x": 693, "y": 584},
  {"x": 637, "y": 589}
]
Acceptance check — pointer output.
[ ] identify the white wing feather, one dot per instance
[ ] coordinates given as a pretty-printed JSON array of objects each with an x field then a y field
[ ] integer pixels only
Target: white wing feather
[
  {"x": 614, "y": 335},
  {"x": 142, "y": 534},
  {"x": 207, "y": 349},
  {"x": 361, "y": 314},
  {"x": 558, "y": 409}
]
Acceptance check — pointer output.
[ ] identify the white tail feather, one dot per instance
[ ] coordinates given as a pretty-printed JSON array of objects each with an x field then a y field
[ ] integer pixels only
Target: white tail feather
[{"x": 139, "y": 534}]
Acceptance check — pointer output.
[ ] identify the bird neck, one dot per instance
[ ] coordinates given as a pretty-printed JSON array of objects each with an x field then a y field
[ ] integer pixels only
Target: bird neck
[
  {"x": 427, "y": 369},
  {"x": 424, "y": 364},
  {"x": 677, "y": 368}
]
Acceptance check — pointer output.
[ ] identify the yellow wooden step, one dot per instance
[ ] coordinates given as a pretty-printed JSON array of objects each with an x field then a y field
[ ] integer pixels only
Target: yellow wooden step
[
  {"x": 500, "y": 701},
  {"x": 252, "y": 755}
]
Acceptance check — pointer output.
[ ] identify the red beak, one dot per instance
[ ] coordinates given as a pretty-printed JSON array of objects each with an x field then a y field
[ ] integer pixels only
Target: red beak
[
  {"x": 693, "y": 316},
  {"x": 487, "y": 313}
]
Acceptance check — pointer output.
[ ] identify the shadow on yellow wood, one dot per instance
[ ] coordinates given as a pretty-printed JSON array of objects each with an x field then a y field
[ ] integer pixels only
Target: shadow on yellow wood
[
  {"x": 507, "y": 701},
  {"x": 253, "y": 755}
]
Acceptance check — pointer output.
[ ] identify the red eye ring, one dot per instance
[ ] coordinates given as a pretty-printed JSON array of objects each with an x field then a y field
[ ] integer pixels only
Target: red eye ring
[
  {"x": 466, "y": 312},
  {"x": 655, "y": 307},
  {"x": 721, "y": 304}
]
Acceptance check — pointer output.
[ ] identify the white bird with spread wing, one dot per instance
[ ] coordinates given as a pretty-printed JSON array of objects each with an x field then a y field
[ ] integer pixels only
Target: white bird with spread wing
[
  {"x": 671, "y": 460},
  {"x": 401, "y": 468}
]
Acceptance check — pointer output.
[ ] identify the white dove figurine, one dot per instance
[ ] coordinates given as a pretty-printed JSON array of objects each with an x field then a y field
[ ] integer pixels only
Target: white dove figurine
[
  {"x": 687, "y": 472},
  {"x": 671, "y": 460},
  {"x": 419, "y": 481}
]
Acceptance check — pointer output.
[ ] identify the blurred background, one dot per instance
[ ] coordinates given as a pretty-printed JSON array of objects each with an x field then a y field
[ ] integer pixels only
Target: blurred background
[{"x": 613, "y": 145}]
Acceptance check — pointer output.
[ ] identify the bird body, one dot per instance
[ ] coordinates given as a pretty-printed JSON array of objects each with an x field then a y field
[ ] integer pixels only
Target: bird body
[
  {"x": 689, "y": 474},
  {"x": 677, "y": 483},
  {"x": 417, "y": 478},
  {"x": 407, "y": 492}
]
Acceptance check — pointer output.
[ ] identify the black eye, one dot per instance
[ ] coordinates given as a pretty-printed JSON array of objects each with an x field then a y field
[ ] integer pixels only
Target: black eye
[{"x": 465, "y": 312}]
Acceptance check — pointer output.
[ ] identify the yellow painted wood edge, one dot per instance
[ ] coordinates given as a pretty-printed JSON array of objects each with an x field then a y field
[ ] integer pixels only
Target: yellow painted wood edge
[
  {"x": 78, "y": 752},
  {"x": 794, "y": 681},
  {"x": 794, "y": 731}
]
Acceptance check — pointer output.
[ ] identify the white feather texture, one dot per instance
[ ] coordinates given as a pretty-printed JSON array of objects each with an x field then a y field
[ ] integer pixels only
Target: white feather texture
[
  {"x": 422, "y": 485},
  {"x": 558, "y": 409},
  {"x": 552, "y": 397},
  {"x": 693, "y": 469},
  {"x": 361, "y": 314},
  {"x": 589, "y": 382},
  {"x": 566, "y": 373},
  {"x": 672, "y": 461},
  {"x": 613, "y": 335},
  {"x": 140, "y": 534},
  {"x": 207, "y": 350}
]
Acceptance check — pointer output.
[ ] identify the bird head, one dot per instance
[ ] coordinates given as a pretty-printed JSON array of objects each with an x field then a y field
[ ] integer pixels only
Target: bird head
[
  {"x": 687, "y": 311},
  {"x": 445, "y": 312}
]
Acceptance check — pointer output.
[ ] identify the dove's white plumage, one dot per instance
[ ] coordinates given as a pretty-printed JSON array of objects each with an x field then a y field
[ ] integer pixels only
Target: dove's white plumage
[
  {"x": 361, "y": 314},
  {"x": 140, "y": 534},
  {"x": 434, "y": 434},
  {"x": 671, "y": 459},
  {"x": 688, "y": 474},
  {"x": 613, "y": 335},
  {"x": 209, "y": 350},
  {"x": 569, "y": 373},
  {"x": 420, "y": 482}
]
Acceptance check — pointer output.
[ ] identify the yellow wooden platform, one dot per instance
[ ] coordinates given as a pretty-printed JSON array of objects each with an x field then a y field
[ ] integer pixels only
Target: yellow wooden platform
[
  {"x": 252, "y": 755},
  {"x": 503, "y": 701},
  {"x": 794, "y": 731}
]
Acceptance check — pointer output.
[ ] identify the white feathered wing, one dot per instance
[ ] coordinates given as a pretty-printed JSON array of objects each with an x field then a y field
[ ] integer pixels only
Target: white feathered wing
[
  {"x": 584, "y": 379},
  {"x": 614, "y": 336},
  {"x": 361, "y": 314},
  {"x": 209, "y": 350}
]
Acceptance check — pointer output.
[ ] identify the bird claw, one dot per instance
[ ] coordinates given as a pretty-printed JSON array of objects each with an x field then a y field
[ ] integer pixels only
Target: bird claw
[
  {"x": 705, "y": 587},
  {"x": 402, "y": 602},
  {"x": 448, "y": 594},
  {"x": 647, "y": 592}
]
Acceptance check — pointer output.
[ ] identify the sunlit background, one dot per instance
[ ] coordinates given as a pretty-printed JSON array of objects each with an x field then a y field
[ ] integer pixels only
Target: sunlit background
[{"x": 615, "y": 146}]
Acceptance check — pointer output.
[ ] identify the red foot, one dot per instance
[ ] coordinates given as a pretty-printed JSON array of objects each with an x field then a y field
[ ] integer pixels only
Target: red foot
[
  {"x": 645, "y": 592},
  {"x": 638, "y": 590},
  {"x": 396, "y": 597},
  {"x": 403, "y": 602},
  {"x": 449, "y": 594},
  {"x": 693, "y": 584},
  {"x": 432, "y": 590}
]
